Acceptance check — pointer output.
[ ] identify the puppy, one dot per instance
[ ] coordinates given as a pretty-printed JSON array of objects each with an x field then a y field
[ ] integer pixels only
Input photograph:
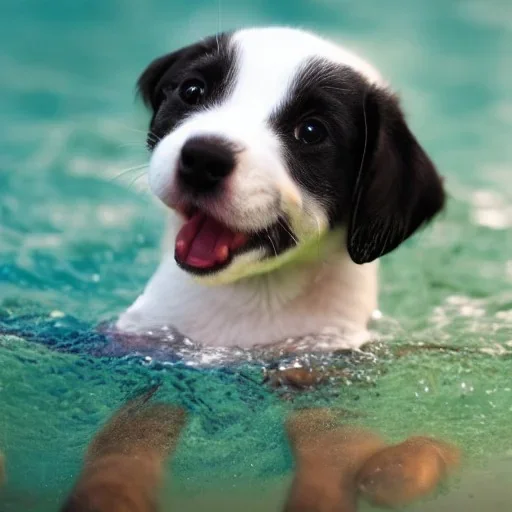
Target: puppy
[
  {"x": 124, "y": 464},
  {"x": 287, "y": 169}
]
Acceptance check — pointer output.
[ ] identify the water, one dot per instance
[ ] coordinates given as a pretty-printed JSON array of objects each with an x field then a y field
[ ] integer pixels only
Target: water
[{"x": 79, "y": 237}]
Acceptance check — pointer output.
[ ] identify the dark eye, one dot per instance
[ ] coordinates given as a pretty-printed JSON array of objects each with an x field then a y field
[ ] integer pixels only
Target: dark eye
[
  {"x": 192, "y": 91},
  {"x": 310, "y": 131}
]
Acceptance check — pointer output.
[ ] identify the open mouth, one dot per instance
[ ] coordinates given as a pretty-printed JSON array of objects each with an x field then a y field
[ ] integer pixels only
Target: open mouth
[{"x": 204, "y": 245}]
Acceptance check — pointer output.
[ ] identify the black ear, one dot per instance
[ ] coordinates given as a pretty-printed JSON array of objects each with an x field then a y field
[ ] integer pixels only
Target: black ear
[
  {"x": 397, "y": 188},
  {"x": 148, "y": 83}
]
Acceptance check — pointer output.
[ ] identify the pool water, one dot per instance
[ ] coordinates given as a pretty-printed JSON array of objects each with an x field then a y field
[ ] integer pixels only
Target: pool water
[{"x": 79, "y": 236}]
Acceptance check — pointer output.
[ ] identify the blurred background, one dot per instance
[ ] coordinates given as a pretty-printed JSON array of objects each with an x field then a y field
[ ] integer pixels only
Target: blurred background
[
  {"x": 75, "y": 218},
  {"x": 79, "y": 233}
]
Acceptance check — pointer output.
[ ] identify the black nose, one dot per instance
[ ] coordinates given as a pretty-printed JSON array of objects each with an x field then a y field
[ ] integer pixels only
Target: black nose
[{"x": 205, "y": 162}]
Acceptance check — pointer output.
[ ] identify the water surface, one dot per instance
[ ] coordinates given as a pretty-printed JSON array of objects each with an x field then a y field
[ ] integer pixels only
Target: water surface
[{"x": 79, "y": 237}]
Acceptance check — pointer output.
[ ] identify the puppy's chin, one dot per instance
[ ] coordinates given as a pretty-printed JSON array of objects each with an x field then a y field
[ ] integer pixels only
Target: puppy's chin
[
  {"x": 257, "y": 262},
  {"x": 292, "y": 232}
]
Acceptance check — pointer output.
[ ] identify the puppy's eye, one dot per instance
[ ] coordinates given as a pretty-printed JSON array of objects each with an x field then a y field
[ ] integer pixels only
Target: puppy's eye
[
  {"x": 192, "y": 91},
  {"x": 310, "y": 131}
]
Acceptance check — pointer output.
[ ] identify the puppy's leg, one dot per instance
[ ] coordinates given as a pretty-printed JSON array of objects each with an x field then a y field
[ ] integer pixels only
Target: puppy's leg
[
  {"x": 328, "y": 458},
  {"x": 139, "y": 426},
  {"x": 397, "y": 475},
  {"x": 124, "y": 463}
]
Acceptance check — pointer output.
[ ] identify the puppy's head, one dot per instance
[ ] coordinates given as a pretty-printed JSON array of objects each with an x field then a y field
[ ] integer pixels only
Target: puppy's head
[{"x": 275, "y": 145}]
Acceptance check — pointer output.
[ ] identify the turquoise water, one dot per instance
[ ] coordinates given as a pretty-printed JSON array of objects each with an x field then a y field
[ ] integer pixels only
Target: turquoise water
[{"x": 79, "y": 237}]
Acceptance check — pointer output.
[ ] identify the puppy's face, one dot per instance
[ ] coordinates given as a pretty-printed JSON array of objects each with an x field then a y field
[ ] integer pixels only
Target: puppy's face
[{"x": 273, "y": 144}]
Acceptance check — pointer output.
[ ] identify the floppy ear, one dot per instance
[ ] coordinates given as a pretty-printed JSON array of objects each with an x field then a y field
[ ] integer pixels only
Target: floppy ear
[
  {"x": 148, "y": 84},
  {"x": 397, "y": 188}
]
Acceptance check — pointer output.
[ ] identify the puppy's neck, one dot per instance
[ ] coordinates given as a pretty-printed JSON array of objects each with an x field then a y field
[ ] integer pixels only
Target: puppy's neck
[{"x": 330, "y": 296}]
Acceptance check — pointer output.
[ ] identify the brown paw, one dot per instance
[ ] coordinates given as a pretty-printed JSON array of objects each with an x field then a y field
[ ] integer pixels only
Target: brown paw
[
  {"x": 327, "y": 457},
  {"x": 124, "y": 464},
  {"x": 399, "y": 474}
]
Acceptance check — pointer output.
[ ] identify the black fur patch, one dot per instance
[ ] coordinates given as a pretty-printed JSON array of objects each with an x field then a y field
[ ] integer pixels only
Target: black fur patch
[
  {"x": 213, "y": 60},
  {"x": 370, "y": 173},
  {"x": 334, "y": 95}
]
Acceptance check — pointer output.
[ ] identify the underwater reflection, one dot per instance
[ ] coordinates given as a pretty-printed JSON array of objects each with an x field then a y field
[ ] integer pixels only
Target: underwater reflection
[
  {"x": 125, "y": 462},
  {"x": 336, "y": 465}
]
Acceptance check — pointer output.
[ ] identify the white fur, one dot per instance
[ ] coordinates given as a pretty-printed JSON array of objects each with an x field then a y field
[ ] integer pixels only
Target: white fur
[
  {"x": 298, "y": 298},
  {"x": 336, "y": 295}
]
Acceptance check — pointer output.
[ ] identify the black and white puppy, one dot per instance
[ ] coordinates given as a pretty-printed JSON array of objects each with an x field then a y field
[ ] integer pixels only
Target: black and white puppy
[{"x": 288, "y": 170}]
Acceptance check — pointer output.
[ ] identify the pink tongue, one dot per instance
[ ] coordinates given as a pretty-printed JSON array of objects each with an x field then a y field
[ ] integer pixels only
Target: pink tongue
[{"x": 203, "y": 242}]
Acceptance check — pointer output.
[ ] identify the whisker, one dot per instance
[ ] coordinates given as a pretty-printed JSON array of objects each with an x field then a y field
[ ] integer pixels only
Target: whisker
[
  {"x": 130, "y": 169},
  {"x": 136, "y": 178},
  {"x": 148, "y": 134},
  {"x": 132, "y": 144},
  {"x": 359, "y": 177},
  {"x": 287, "y": 229},
  {"x": 271, "y": 242},
  {"x": 128, "y": 128},
  {"x": 155, "y": 136}
]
